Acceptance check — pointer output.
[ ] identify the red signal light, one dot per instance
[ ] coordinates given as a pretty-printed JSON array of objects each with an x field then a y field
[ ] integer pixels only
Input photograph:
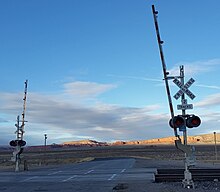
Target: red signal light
[
  {"x": 13, "y": 143},
  {"x": 177, "y": 122},
  {"x": 21, "y": 143},
  {"x": 193, "y": 121}
]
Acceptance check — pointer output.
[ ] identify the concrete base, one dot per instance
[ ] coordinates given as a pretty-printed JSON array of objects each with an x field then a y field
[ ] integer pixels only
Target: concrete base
[{"x": 187, "y": 181}]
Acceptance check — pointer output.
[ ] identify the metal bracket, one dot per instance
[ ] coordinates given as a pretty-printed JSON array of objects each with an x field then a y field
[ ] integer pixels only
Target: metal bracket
[{"x": 189, "y": 151}]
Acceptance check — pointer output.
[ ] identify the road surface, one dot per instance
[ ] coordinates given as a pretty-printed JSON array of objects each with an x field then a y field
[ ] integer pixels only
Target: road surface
[{"x": 100, "y": 175}]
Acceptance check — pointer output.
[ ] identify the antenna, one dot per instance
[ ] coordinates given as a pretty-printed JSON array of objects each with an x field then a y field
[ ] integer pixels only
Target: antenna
[{"x": 165, "y": 73}]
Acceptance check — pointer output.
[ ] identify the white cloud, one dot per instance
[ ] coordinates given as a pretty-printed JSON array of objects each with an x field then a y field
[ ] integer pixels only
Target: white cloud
[
  {"x": 208, "y": 86},
  {"x": 196, "y": 67},
  {"x": 136, "y": 77},
  {"x": 64, "y": 120},
  {"x": 86, "y": 89},
  {"x": 209, "y": 101}
]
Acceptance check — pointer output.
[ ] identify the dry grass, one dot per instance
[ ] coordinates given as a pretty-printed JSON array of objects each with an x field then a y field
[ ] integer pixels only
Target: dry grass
[{"x": 76, "y": 155}]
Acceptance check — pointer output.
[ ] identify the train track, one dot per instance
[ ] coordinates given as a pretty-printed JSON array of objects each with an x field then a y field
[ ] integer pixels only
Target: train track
[{"x": 174, "y": 175}]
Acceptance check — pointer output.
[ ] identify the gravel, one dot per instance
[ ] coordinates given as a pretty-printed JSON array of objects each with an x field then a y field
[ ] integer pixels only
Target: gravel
[{"x": 150, "y": 186}]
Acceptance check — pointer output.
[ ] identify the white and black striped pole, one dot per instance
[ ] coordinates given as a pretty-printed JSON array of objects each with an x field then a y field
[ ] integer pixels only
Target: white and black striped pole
[{"x": 165, "y": 73}]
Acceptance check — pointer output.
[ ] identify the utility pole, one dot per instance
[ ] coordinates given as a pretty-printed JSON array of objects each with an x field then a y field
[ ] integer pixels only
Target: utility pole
[
  {"x": 216, "y": 152},
  {"x": 45, "y": 141}
]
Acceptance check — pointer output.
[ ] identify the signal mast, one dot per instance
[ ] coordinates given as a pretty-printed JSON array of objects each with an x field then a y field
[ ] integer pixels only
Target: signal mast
[
  {"x": 184, "y": 120},
  {"x": 19, "y": 143}
]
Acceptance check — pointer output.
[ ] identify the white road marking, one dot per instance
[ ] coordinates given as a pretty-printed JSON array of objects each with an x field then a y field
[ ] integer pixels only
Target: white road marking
[
  {"x": 112, "y": 177},
  {"x": 74, "y": 176},
  {"x": 90, "y": 171},
  {"x": 28, "y": 179},
  {"x": 54, "y": 173},
  {"x": 123, "y": 170}
]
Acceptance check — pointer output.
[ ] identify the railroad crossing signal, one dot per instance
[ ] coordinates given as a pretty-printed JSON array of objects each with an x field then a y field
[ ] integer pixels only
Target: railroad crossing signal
[
  {"x": 184, "y": 88},
  {"x": 182, "y": 120}
]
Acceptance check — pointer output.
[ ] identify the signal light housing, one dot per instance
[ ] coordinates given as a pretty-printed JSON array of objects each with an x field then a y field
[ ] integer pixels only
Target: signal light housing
[
  {"x": 177, "y": 122},
  {"x": 21, "y": 143},
  {"x": 189, "y": 121},
  {"x": 193, "y": 121},
  {"x": 15, "y": 143}
]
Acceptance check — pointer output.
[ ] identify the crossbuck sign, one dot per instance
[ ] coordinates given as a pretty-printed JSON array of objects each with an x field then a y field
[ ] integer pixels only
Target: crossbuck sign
[{"x": 184, "y": 88}]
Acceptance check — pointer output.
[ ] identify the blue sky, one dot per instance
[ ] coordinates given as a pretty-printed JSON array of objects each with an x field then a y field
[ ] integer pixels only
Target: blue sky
[{"x": 94, "y": 69}]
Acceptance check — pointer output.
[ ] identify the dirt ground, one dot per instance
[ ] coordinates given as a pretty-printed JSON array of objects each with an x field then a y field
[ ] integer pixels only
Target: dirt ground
[{"x": 41, "y": 157}]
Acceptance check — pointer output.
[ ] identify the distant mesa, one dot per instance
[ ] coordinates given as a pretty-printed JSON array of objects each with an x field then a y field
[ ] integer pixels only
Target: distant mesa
[
  {"x": 199, "y": 139},
  {"x": 85, "y": 143},
  {"x": 206, "y": 139}
]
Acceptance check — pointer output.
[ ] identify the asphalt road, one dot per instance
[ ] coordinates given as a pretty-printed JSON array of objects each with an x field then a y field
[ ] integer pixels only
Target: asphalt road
[{"x": 100, "y": 175}]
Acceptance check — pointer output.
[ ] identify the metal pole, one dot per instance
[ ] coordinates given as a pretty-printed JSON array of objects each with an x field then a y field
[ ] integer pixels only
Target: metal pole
[
  {"x": 45, "y": 141},
  {"x": 216, "y": 152},
  {"x": 183, "y": 100},
  {"x": 165, "y": 73},
  {"x": 187, "y": 182},
  {"x": 18, "y": 147}
]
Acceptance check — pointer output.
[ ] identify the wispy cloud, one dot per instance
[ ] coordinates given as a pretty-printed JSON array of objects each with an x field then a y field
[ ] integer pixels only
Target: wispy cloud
[
  {"x": 209, "y": 101},
  {"x": 86, "y": 89},
  {"x": 136, "y": 77},
  {"x": 196, "y": 67},
  {"x": 208, "y": 86},
  {"x": 64, "y": 120}
]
